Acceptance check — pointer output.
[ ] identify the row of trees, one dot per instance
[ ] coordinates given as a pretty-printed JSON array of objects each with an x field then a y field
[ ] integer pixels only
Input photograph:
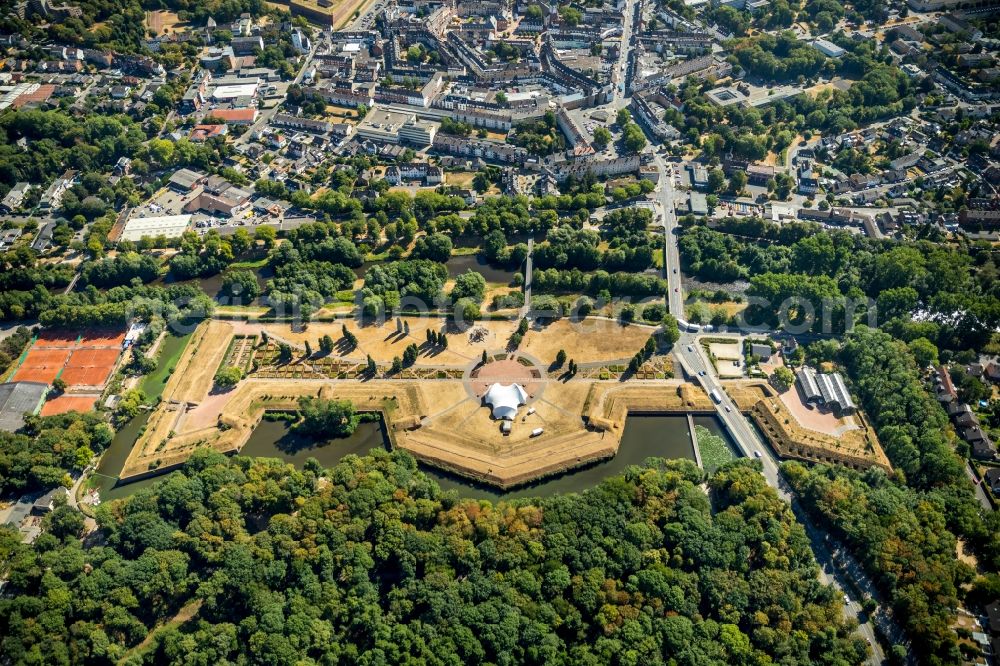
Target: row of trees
[{"x": 599, "y": 283}]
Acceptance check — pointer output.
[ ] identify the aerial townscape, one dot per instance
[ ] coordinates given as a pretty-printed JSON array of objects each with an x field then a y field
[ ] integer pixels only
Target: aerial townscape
[{"x": 624, "y": 332}]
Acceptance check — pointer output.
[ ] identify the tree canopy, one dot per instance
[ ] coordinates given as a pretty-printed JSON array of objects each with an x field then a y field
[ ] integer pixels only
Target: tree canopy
[{"x": 375, "y": 563}]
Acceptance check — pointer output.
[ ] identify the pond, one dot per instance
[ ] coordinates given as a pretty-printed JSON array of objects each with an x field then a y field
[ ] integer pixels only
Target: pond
[
  {"x": 476, "y": 262},
  {"x": 645, "y": 436},
  {"x": 275, "y": 439}
]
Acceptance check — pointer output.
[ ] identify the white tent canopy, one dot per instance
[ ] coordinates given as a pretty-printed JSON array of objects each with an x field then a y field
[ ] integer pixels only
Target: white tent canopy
[{"x": 505, "y": 400}]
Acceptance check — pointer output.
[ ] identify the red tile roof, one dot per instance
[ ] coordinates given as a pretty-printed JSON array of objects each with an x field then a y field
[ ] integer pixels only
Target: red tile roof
[{"x": 235, "y": 115}]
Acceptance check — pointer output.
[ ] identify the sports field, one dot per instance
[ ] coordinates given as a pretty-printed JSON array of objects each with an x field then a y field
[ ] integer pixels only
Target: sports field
[
  {"x": 90, "y": 367},
  {"x": 84, "y": 360},
  {"x": 69, "y": 403},
  {"x": 42, "y": 365}
]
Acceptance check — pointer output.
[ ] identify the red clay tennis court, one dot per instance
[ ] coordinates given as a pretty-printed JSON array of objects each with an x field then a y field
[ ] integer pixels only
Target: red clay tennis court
[
  {"x": 102, "y": 337},
  {"x": 41, "y": 365},
  {"x": 58, "y": 338},
  {"x": 90, "y": 367},
  {"x": 69, "y": 403},
  {"x": 79, "y": 359}
]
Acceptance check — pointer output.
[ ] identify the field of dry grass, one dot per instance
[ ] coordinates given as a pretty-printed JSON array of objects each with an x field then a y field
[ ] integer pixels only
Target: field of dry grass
[
  {"x": 194, "y": 373},
  {"x": 592, "y": 340},
  {"x": 383, "y": 343},
  {"x": 162, "y": 22}
]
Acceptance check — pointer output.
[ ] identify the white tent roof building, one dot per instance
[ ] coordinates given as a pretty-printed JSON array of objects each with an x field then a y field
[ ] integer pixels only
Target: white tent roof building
[{"x": 505, "y": 400}]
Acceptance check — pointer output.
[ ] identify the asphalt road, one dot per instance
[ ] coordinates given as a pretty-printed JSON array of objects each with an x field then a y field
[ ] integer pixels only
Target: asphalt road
[
  {"x": 688, "y": 352},
  {"x": 664, "y": 193},
  {"x": 620, "y": 99}
]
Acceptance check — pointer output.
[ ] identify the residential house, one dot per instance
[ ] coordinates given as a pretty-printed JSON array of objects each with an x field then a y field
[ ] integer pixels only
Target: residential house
[{"x": 13, "y": 199}]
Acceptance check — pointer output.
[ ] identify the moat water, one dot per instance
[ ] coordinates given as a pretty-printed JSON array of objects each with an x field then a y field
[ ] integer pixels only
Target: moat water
[{"x": 644, "y": 436}]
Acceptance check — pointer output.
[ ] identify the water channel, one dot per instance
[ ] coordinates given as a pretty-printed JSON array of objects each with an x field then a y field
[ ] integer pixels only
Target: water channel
[
  {"x": 644, "y": 436},
  {"x": 212, "y": 284}
]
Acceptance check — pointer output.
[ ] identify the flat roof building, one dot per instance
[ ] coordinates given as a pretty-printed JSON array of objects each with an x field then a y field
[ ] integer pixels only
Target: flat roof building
[
  {"x": 18, "y": 399},
  {"x": 698, "y": 203},
  {"x": 170, "y": 226},
  {"x": 396, "y": 127},
  {"x": 828, "y": 48},
  {"x": 726, "y": 96},
  {"x": 234, "y": 91}
]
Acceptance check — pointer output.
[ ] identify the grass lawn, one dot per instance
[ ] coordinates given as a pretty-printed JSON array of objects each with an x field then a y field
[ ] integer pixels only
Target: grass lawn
[
  {"x": 714, "y": 450},
  {"x": 256, "y": 263}
]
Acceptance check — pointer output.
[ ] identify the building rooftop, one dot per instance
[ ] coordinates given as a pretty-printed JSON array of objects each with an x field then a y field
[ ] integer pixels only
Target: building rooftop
[
  {"x": 170, "y": 226},
  {"x": 18, "y": 398}
]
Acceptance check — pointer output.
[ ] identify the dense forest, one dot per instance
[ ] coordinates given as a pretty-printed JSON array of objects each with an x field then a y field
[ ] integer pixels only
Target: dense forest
[
  {"x": 901, "y": 537},
  {"x": 369, "y": 562}
]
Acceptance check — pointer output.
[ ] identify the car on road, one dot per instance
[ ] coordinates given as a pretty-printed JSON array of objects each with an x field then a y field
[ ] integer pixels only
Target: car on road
[
  {"x": 728, "y": 408},
  {"x": 690, "y": 349},
  {"x": 758, "y": 454},
  {"x": 675, "y": 271},
  {"x": 847, "y": 599}
]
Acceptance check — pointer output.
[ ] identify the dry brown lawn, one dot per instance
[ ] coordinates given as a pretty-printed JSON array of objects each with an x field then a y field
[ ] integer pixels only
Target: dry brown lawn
[
  {"x": 162, "y": 22},
  {"x": 339, "y": 114},
  {"x": 195, "y": 370},
  {"x": 591, "y": 340},
  {"x": 383, "y": 343},
  {"x": 460, "y": 178}
]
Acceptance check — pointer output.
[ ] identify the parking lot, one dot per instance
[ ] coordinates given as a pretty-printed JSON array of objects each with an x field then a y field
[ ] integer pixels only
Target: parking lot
[{"x": 165, "y": 202}]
